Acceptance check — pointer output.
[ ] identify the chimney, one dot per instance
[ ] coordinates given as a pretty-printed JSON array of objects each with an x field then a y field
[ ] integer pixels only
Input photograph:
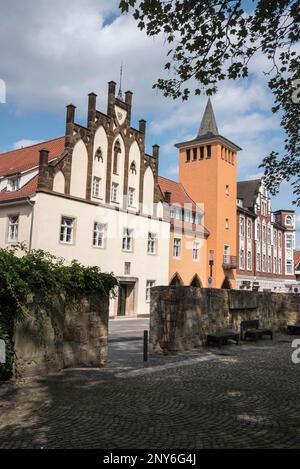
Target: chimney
[
  {"x": 70, "y": 119},
  {"x": 142, "y": 126},
  {"x": 44, "y": 158},
  {"x": 43, "y": 168},
  {"x": 155, "y": 155},
  {"x": 92, "y": 108},
  {"x": 111, "y": 98},
  {"x": 168, "y": 197},
  {"x": 128, "y": 101}
]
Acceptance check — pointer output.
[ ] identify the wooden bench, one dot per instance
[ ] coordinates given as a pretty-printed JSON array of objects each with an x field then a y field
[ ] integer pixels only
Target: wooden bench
[
  {"x": 251, "y": 330},
  {"x": 221, "y": 337}
]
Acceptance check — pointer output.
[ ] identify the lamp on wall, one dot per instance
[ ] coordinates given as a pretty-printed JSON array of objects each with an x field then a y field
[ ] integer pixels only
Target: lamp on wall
[{"x": 211, "y": 264}]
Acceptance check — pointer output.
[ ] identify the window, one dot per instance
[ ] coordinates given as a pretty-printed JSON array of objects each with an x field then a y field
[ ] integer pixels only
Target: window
[
  {"x": 114, "y": 192},
  {"x": 263, "y": 233},
  {"x": 289, "y": 220},
  {"x": 208, "y": 152},
  {"x": 242, "y": 259},
  {"x": 289, "y": 267},
  {"x": 67, "y": 230},
  {"x": 242, "y": 226},
  {"x": 13, "y": 228},
  {"x": 96, "y": 187},
  {"x": 117, "y": 151},
  {"x": 258, "y": 234},
  {"x": 13, "y": 184},
  {"x": 275, "y": 237},
  {"x": 177, "y": 247},
  {"x": 269, "y": 264},
  {"x": 152, "y": 243},
  {"x": 249, "y": 260},
  {"x": 201, "y": 153},
  {"x": 289, "y": 241},
  {"x": 127, "y": 268},
  {"x": 249, "y": 228},
  {"x": 195, "y": 154},
  {"x": 188, "y": 154},
  {"x": 264, "y": 263},
  {"x": 99, "y": 235},
  {"x": 131, "y": 197},
  {"x": 275, "y": 265},
  {"x": 127, "y": 243},
  {"x": 149, "y": 284},
  {"x": 227, "y": 223},
  {"x": 269, "y": 235},
  {"x": 196, "y": 251},
  {"x": 226, "y": 259},
  {"x": 258, "y": 262},
  {"x": 280, "y": 239},
  {"x": 280, "y": 266},
  {"x": 227, "y": 190}
]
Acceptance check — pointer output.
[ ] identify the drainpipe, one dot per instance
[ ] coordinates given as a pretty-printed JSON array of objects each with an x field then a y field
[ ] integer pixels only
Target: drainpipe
[{"x": 31, "y": 223}]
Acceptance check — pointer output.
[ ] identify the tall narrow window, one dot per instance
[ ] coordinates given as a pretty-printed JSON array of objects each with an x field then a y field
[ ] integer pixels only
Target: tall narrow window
[
  {"x": 177, "y": 247},
  {"x": 288, "y": 267},
  {"x": 242, "y": 226},
  {"x": 195, "y": 154},
  {"x": 208, "y": 151},
  {"x": 96, "y": 187},
  {"x": 188, "y": 154},
  {"x": 127, "y": 242},
  {"x": 242, "y": 259},
  {"x": 117, "y": 151},
  {"x": 201, "y": 153},
  {"x": 249, "y": 260},
  {"x": 13, "y": 228},
  {"x": 249, "y": 229},
  {"x": 131, "y": 197},
  {"x": 258, "y": 262},
  {"x": 149, "y": 284},
  {"x": 67, "y": 230},
  {"x": 227, "y": 189},
  {"x": 152, "y": 243},
  {"x": 114, "y": 192},
  {"x": 196, "y": 250},
  {"x": 99, "y": 235}
]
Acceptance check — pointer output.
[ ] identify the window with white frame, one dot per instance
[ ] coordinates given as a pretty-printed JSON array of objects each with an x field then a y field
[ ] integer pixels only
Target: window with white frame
[
  {"x": 249, "y": 260},
  {"x": 275, "y": 237},
  {"x": 67, "y": 230},
  {"x": 280, "y": 239},
  {"x": 177, "y": 247},
  {"x": 242, "y": 259},
  {"x": 289, "y": 267},
  {"x": 280, "y": 266},
  {"x": 269, "y": 235},
  {"x": 264, "y": 263},
  {"x": 13, "y": 184},
  {"x": 258, "y": 262},
  {"x": 196, "y": 250},
  {"x": 289, "y": 220},
  {"x": 99, "y": 236},
  {"x": 263, "y": 233},
  {"x": 258, "y": 232},
  {"x": 269, "y": 264},
  {"x": 114, "y": 192},
  {"x": 127, "y": 268},
  {"x": 13, "y": 228},
  {"x": 289, "y": 241},
  {"x": 127, "y": 242},
  {"x": 152, "y": 243},
  {"x": 149, "y": 284},
  {"x": 249, "y": 228},
  {"x": 275, "y": 265},
  {"x": 242, "y": 226},
  {"x": 96, "y": 187},
  {"x": 131, "y": 197}
]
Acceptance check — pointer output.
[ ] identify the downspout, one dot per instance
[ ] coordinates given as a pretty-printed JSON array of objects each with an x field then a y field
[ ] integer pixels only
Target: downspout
[{"x": 31, "y": 223}]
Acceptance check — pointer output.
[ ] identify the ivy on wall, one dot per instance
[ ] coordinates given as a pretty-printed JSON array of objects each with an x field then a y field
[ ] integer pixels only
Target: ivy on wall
[{"x": 24, "y": 272}]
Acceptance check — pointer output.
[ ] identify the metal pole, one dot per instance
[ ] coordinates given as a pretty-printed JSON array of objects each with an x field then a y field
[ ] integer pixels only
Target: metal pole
[{"x": 145, "y": 346}]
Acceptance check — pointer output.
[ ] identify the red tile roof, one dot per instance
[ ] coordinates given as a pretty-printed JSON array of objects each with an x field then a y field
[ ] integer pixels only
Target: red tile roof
[
  {"x": 26, "y": 191},
  {"x": 296, "y": 257},
  {"x": 178, "y": 193},
  {"x": 17, "y": 161}
]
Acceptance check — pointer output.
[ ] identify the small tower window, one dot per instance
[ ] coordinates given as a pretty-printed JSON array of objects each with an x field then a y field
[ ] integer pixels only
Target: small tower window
[
  {"x": 201, "y": 153},
  {"x": 188, "y": 155},
  {"x": 208, "y": 152},
  {"x": 194, "y": 154}
]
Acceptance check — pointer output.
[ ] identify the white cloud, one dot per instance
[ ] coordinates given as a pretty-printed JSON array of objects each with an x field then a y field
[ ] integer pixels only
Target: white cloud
[{"x": 24, "y": 143}]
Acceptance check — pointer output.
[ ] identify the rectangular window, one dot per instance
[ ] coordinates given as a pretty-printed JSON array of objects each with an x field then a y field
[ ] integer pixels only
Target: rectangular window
[
  {"x": 269, "y": 264},
  {"x": 289, "y": 242},
  {"x": 177, "y": 247},
  {"x": 13, "y": 228},
  {"x": 249, "y": 260},
  {"x": 127, "y": 242},
  {"x": 264, "y": 234},
  {"x": 249, "y": 229},
  {"x": 131, "y": 197},
  {"x": 196, "y": 251},
  {"x": 227, "y": 223},
  {"x": 269, "y": 235},
  {"x": 67, "y": 230},
  {"x": 275, "y": 237},
  {"x": 258, "y": 262},
  {"x": 289, "y": 267},
  {"x": 258, "y": 232},
  {"x": 114, "y": 192},
  {"x": 227, "y": 190},
  {"x": 13, "y": 184},
  {"x": 242, "y": 226},
  {"x": 195, "y": 154},
  {"x": 127, "y": 268},
  {"x": 201, "y": 153},
  {"x": 275, "y": 265},
  {"x": 208, "y": 151},
  {"x": 152, "y": 243},
  {"x": 279, "y": 239},
  {"x": 99, "y": 235},
  {"x": 280, "y": 266},
  {"x": 96, "y": 187},
  {"x": 242, "y": 259},
  {"x": 188, "y": 155},
  {"x": 264, "y": 263},
  {"x": 149, "y": 284}
]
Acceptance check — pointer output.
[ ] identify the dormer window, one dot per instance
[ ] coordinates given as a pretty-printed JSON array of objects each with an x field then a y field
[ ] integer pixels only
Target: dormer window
[{"x": 13, "y": 184}]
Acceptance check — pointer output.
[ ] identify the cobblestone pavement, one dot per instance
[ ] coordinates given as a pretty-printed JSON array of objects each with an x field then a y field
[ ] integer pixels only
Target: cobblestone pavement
[{"x": 245, "y": 396}]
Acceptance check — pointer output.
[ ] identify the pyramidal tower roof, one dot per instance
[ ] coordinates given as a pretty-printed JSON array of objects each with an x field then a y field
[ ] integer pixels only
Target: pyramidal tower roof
[{"x": 208, "y": 125}]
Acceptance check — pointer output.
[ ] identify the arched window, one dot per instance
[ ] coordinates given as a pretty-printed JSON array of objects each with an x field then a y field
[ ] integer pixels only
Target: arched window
[
  {"x": 99, "y": 155},
  {"x": 176, "y": 281},
  {"x": 289, "y": 220},
  {"x": 133, "y": 168},
  {"x": 117, "y": 151}
]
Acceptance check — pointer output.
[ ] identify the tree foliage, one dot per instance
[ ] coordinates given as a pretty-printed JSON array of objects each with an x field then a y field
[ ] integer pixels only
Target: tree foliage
[{"x": 214, "y": 40}]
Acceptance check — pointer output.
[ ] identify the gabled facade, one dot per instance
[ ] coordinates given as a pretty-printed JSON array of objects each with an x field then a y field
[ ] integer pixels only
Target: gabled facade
[
  {"x": 266, "y": 241},
  {"x": 93, "y": 196}
]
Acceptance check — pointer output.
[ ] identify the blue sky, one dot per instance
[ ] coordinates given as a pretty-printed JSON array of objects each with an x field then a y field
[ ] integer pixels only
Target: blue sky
[{"x": 54, "y": 53}]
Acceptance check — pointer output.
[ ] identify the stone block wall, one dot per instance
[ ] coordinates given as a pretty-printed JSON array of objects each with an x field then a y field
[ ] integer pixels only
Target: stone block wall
[
  {"x": 62, "y": 334},
  {"x": 182, "y": 317}
]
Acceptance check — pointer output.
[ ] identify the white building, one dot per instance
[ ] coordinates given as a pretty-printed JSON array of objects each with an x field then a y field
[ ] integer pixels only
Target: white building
[{"x": 92, "y": 196}]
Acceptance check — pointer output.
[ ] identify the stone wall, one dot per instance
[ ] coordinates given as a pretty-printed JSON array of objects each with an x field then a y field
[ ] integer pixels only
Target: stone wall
[
  {"x": 62, "y": 334},
  {"x": 182, "y": 317}
]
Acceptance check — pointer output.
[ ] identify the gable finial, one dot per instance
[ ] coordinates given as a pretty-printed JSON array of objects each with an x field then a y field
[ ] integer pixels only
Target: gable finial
[{"x": 120, "y": 93}]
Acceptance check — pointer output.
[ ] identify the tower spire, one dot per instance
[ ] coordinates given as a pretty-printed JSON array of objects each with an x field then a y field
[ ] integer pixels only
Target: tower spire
[
  {"x": 120, "y": 93},
  {"x": 208, "y": 125}
]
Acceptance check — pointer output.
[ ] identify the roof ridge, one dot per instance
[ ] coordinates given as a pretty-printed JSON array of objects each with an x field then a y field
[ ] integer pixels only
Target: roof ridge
[{"x": 34, "y": 145}]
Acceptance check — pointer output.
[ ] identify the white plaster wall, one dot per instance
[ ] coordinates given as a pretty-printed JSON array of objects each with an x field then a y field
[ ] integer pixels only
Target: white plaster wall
[
  {"x": 79, "y": 170},
  {"x": 148, "y": 192},
  {"x": 134, "y": 179},
  {"x": 99, "y": 167},
  {"x": 119, "y": 178},
  {"x": 112, "y": 259},
  {"x": 25, "y": 212},
  {"x": 59, "y": 183}
]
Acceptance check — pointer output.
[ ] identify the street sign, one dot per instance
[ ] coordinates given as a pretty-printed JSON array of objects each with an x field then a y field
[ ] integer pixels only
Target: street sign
[
  {"x": 2, "y": 352},
  {"x": 210, "y": 282}
]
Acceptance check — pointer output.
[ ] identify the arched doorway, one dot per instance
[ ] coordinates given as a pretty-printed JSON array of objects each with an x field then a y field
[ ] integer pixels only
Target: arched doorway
[
  {"x": 226, "y": 285},
  {"x": 196, "y": 282},
  {"x": 176, "y": 281}
]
